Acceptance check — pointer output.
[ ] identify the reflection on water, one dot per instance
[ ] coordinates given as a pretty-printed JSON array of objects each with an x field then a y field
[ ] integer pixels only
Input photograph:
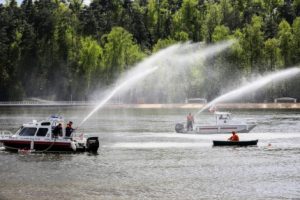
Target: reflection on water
[{"x": 141, "y": 157}]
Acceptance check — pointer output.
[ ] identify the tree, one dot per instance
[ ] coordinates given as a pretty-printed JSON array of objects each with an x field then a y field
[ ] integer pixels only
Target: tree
[
  {"x": 296, "y": 41},
  {"x": 132, "y": 19},
  {"x": 62, "y": 49},
  {"x": 90, "y": 54},
  {"x": 100, "y": 17},
  {"x": 158, "y": 19},
  {"x": 227, "y": 14},
  {"x": 286, "y": 11},
  {"x": 120, "y": 52},
  {"x": 296, "y": 6},
  {"x": 285, "y": 38},
  {"x": 220, "y": 33},
  {"x": 253, "y": 43},
  {"x": 181, "y": 36},
  {"x": 188, "y": 19},
  {"x": 163, "y": 43},
  {"x": 272, "y": 54},
  {"x": 251, "y": 9},
  {"x": 11, "y": 31},
  {"x": 212, "y": 19}
]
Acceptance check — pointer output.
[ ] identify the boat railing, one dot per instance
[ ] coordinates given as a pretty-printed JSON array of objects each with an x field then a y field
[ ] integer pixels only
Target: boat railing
[{"x": 5, "y": 133}]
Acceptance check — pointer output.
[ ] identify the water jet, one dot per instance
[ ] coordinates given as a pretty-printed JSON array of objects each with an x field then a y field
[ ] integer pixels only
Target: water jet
[
  {"x": 178, "y": 55},
  {"x": 252, "y": 86}
]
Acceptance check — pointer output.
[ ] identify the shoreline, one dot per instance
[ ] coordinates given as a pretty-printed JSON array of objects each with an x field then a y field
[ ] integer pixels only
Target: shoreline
[{"x": 238, "y": 106}]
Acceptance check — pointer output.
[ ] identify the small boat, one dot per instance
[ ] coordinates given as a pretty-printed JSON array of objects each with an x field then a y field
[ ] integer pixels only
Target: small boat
[
  {"x": 38, "y": 137},
  {"x": 235, "y": 143},
  {"x": 223, "y": 124}
]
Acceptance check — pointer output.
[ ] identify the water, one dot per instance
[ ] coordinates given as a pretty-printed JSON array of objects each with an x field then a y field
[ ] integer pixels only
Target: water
[
  {"x": 141, "y": 157},
  {"x": 255, "y": 85},
  {"x": 173, "y": 58}
]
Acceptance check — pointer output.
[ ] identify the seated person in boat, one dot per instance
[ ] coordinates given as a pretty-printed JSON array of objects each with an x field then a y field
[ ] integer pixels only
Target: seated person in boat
[
  {"x": 190, "y": 121},
  {"x": 69, "y": 129},
  {"x": 234, "y": 137},
  {"x": 57, "y": 131}
]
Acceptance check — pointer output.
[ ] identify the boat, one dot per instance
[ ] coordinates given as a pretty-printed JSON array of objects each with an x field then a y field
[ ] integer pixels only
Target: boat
[
  {"x": 223, "y": 124},
  {"x": 235, "y": 143},
  {"x": 39, "y": 137}
]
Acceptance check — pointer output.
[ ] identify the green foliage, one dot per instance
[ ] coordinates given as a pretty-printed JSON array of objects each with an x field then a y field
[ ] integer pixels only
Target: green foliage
[
  {"x": 296, "y": 41},
  {"x": 181, "y": 36},
  {"x": 63, "y": 49},
  {"x": 163, "y": 43},
  {"x": 253, "y": 43},
  {"x": 120, "y": 52},
  {"x": 89, "y": 58},
  {"x": 220, "y": 33},
  {"x": 272, "y": 54},
  {"x": 187, "y": 19},
  {"x": 212, "y": 19},
  {"x": 285, "y": 37}
]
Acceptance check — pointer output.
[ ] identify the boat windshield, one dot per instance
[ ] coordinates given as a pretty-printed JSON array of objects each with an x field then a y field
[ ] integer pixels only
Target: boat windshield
[
  {"x": 19, "y": 130},
  {"x": 27, "y": 131},
  {"x": 224, "y": 116}
]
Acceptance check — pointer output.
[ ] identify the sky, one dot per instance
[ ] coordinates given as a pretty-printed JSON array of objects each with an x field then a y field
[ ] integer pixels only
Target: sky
[{"x": 19, "y": 1}]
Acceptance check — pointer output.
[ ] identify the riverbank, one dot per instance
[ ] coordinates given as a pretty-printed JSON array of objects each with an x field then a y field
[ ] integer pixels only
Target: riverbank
[{"x": 231, "y": 106}]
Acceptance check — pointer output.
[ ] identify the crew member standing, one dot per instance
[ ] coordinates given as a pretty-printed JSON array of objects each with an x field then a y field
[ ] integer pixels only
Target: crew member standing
[
  {"x": 57, "y": 131},
  {"x": 69, "y": 129},
  {"x": 190, "y": 122}
]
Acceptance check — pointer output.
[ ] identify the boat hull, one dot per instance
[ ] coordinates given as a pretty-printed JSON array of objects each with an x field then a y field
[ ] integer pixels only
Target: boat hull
[
  {"x": 15, "y": 145},
  {"x": 235, "y": 143},
  {"x": 224, "y": 128},
  {"x": 212, "y": 129}
]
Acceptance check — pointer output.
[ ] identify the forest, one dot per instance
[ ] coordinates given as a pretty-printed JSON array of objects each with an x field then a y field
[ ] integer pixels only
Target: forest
[{"x": 65, "y": 49}]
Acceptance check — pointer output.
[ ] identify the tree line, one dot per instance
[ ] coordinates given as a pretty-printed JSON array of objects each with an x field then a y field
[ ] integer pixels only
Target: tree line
[{"x": 64, "y": 49}]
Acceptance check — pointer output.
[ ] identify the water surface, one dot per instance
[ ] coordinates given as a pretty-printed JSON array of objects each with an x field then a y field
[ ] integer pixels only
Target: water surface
[{"x": 141, "y": 157}]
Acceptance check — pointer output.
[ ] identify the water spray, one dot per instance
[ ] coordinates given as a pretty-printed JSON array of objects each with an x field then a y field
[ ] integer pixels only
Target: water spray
[
  {"x": 261, "y": 82},
  {"x": 117, "y": 89},
  {"x": 179, "y": 55}
]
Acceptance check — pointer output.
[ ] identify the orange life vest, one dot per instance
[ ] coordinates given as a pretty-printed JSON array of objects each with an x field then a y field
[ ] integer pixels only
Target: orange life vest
[{"x": 234, "y": 138}]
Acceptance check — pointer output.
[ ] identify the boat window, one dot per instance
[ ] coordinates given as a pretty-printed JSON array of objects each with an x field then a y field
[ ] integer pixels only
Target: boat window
[
  {"x": 42, "y": 132},
  {"x": 19, "y": 130},
  {"x": 45, "y": 123},
  {"x": 27, "y": 131}
]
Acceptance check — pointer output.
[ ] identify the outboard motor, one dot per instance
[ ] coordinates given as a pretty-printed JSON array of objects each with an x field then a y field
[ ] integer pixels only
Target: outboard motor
[
  {"x": 92, "y": 144},
  {"x": 179, "y": 128}
]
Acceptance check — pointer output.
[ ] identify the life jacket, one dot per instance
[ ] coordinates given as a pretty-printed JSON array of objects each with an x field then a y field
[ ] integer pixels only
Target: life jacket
[{"x": 234, "y": 138}]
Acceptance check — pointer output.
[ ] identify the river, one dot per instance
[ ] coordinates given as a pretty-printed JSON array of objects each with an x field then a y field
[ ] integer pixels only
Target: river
[{"x": 141, "y": 157}]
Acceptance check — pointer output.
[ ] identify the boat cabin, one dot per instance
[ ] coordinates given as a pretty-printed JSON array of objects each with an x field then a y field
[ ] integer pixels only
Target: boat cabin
[
  {"x": 42, "y": 129},
  {"x": 222, "y": 117}
]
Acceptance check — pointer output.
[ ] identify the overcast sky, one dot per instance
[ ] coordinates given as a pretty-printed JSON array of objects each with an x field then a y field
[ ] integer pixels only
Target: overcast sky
[{"x": 19, "y": 1}]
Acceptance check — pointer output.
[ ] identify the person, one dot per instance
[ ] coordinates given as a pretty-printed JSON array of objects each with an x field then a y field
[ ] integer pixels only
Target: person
[
  {"x": 234, "y": 137},
  {"x": 69, "y": 129},
  {"x": 57, "y": 131},
  {"x": 190, "y": 121}
]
